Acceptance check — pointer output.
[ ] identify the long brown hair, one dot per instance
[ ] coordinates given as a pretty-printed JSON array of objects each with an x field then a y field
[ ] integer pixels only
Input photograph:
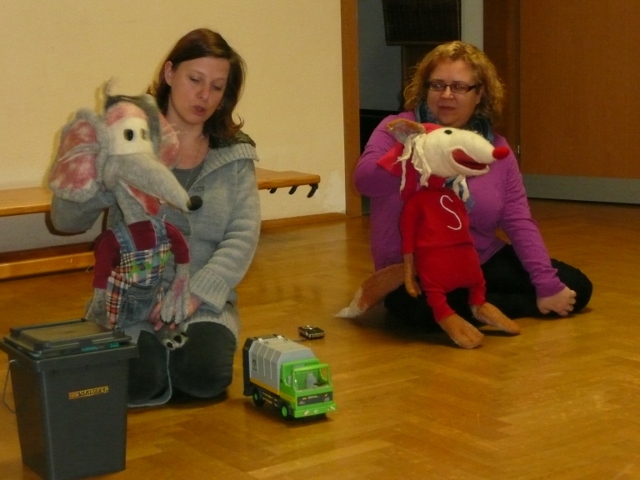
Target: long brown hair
[{"x": 200, "y": 43}]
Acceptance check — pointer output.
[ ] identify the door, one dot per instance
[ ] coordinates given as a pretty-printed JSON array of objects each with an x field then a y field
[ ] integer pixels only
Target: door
[{"x": 579, "y": 99}]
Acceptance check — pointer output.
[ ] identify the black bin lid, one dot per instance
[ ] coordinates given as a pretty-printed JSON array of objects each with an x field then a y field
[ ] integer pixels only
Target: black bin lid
[{"x": 64, "y": 338}]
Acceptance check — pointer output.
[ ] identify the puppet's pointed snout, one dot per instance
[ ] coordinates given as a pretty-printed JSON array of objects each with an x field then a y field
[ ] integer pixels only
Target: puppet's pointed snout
[
  {"x": 500, "y": 152},
  {"x": 146, "y": 174}
]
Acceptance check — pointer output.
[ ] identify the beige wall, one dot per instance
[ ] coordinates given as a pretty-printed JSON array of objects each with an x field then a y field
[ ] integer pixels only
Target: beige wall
[{"x": 56, "y": 55}]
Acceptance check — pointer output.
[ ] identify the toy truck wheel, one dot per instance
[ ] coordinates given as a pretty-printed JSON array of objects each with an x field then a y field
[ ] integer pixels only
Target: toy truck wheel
[
  {"x": 285, "y": 410},
  {"x": 258, "y": 399}
]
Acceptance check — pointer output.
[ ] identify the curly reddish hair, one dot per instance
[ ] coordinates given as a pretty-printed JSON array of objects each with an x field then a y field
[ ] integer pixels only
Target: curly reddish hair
[{"x": 493, "y": 95}]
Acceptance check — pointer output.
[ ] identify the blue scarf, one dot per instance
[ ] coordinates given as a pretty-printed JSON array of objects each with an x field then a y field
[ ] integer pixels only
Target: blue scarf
[{"x": 477, "y": 123}]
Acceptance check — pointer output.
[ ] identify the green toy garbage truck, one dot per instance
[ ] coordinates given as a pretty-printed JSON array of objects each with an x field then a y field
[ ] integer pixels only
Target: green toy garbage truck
[{"x": 288, "y": 375}]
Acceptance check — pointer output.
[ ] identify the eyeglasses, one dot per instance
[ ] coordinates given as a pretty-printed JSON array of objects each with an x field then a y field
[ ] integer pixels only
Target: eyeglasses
[{"x": 455, "y": 87}]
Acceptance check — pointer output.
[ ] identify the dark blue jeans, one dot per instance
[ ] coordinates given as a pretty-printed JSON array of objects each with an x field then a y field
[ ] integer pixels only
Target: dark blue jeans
[{"x": 202, "y": 368}]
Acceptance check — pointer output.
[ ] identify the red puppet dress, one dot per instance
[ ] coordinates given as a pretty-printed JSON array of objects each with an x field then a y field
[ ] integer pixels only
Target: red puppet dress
[{"x": 435, "y": 228}]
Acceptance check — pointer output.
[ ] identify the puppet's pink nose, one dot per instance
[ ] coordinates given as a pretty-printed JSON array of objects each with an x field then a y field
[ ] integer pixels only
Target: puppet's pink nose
[{"x": 500, "y": 152}]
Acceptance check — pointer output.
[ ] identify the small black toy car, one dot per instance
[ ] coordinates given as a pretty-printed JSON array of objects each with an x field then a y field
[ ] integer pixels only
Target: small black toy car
[{"x": 310, "y": 332}]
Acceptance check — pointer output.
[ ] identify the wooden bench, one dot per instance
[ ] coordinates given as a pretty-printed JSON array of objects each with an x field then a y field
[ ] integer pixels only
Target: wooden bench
[{"x": 29, "y": 200}]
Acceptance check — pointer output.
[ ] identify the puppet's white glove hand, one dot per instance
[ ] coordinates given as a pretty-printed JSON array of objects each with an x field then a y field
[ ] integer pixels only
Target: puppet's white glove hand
[
  {"x": 97, "y": 309},
  {"x": 175, "y": 305}
]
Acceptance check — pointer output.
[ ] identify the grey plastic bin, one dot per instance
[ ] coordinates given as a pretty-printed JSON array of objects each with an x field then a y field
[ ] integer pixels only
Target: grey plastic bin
[{"x": 69, "y": 384}]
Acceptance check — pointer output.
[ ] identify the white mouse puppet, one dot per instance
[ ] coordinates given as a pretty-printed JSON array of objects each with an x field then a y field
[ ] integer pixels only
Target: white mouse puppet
[{"x": 437, "y": 245}]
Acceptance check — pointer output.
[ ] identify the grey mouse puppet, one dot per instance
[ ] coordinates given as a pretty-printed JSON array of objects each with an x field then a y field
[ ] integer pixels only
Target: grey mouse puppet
[{"x": 128, "y": 151}]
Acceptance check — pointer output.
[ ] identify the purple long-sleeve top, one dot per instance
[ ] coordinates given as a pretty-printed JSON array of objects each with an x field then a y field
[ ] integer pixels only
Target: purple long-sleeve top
[{"x": 499, "y": 202}]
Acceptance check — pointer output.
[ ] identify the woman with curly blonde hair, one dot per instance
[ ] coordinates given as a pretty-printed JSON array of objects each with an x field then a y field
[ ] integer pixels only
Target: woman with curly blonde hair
[
  {"x": 456, "y": 85},
  {"x": 484, "y": 75}
]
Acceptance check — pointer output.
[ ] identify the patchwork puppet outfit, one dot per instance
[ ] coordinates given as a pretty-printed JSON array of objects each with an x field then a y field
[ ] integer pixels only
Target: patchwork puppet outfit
[
  {"x": 135, "y": 284},
  {"x": 130, "y": 261}
]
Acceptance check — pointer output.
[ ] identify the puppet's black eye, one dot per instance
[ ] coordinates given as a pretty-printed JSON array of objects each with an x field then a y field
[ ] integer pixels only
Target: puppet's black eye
[
  {"x": 128, "y": 134},
  {"x": 448, "y": 132},
  {"x": 143, "y": 134}
]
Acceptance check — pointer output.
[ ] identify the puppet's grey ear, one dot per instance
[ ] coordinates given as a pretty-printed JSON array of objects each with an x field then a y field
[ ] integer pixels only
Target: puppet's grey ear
[
  {"x": 76, "y": 173},
  {"x": 402, "y": 128},
  {"x": 163, "y": 136},
  {"x": 148, "y": 103},
  {"x": 169, "y": 152}
]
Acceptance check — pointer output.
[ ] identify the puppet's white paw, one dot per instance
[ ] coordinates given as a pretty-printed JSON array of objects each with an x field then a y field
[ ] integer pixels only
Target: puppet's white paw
[
  {"x": 96, "y": 310},
  {"x": 354, "y": 309}
]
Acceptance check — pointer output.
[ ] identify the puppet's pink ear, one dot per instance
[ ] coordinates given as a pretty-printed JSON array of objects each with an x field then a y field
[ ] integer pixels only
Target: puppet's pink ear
[
  {"x": 401, "y": 128},
  {"x": 430, "y": 127},
  {"x": 75, "y": 173},
  {"x": 169, "y": 153}
]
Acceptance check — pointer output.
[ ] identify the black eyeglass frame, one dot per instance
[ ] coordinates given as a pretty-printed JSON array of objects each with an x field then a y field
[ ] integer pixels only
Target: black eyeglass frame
[{"x": 454, "y": 87}]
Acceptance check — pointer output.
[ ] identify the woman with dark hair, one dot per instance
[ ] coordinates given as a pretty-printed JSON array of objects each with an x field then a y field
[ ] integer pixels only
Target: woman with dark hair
[
  {"x": 456, "y": 85},
  {"x": 201, "y": 44},
  {"x": 197, "y": 89}
]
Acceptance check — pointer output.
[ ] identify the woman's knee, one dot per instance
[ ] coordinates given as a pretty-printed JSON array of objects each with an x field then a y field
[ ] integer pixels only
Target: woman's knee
[
  {"x": 203, "y": 368},
  {"x": 584, "y": 289},
  {"x": 577, "y": 281},
  {"x": 148, "y": 371}
]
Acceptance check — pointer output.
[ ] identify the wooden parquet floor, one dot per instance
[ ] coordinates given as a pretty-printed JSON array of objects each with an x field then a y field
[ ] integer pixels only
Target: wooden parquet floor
[{"x": 561, "y": 401}]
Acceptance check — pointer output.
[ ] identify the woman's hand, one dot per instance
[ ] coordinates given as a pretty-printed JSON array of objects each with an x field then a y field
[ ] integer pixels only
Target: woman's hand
[
  {"x": 194, "y": 304},
  {"x": 560, "y": 303}
]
